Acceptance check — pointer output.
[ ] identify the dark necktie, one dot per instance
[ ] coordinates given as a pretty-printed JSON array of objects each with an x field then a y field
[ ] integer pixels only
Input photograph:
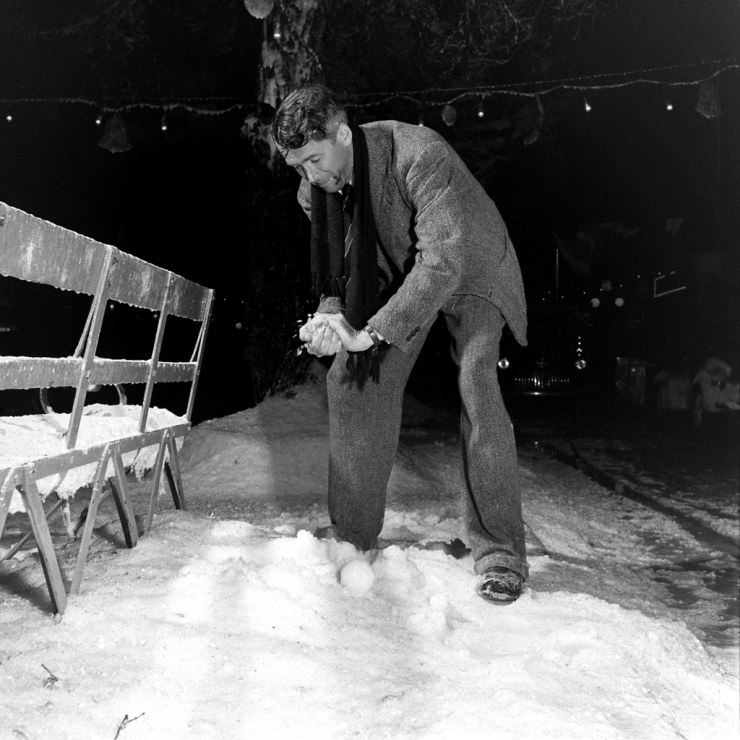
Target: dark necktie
[{"x": 348, "y": 206}]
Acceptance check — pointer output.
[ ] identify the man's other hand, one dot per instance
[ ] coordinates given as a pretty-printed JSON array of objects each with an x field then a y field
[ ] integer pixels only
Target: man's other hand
[
  {"x": 318, "y": 336},
  {"x": 352, "y": 339}
]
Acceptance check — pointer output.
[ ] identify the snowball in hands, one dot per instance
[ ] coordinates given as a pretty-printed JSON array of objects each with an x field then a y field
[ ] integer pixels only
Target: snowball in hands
[
  {"x": 357, "y": 577},
  {"x": 318, "y": 337}
]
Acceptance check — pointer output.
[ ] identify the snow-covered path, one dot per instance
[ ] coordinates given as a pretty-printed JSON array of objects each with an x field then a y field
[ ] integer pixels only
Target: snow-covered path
[{"x": 230, "y": 620}]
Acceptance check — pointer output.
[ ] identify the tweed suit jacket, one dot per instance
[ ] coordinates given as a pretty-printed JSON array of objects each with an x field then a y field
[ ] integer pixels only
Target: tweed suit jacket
[{"x": 440, "y": 230}]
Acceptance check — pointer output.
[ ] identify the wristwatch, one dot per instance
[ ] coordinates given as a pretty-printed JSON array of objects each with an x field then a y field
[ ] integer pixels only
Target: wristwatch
[{"x": 377, "y": 340}]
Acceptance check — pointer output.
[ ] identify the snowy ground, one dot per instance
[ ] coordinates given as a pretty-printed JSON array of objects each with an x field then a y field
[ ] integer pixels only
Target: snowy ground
[{"x": 231, "y": 620}]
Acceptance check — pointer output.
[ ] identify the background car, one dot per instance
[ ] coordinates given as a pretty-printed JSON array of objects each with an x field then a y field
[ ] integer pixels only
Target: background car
[{"x": 556, "y": 360}]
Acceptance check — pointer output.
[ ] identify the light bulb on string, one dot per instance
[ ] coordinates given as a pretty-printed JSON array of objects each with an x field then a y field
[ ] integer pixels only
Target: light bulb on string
[
  {"x": 115, "y": 135},
  {"x": 449, "y": 115},
  {"x": 98, "y": 119},
  {"x": 586, "y": 105},
  {"x": 8, "y": 118},
  {"x": 667, "y": 102},
  {"x": 163, "y": 122},
  {"x": 481, "y": 113}
]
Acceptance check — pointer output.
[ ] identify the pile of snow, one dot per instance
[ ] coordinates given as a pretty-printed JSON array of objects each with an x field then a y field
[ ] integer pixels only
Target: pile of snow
[{"x": 232, "y": 620}]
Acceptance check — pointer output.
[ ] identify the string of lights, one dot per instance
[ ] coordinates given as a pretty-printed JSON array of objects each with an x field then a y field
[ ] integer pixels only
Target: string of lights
[
  {"x": 214, "y": 106},
  {"x": 428, "y": 96},
  {"x": 539, "y": 88}
]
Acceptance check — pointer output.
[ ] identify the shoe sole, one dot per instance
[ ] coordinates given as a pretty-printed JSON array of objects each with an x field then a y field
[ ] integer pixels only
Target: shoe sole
[{"x": 498, "y": 602}]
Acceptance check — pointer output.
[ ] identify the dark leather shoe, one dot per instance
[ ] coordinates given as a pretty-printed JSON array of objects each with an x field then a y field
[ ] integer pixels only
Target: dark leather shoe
[
  {"x": 326, "y": 533},
  {"x": 500, "y": 585}
]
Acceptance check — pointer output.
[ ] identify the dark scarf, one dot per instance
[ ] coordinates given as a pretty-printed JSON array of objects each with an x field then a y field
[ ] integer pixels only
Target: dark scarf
[{"x": 352, "y": 276}]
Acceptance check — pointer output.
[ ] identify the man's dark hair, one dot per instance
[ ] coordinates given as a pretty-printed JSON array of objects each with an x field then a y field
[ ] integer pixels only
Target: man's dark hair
[{"x": 307, "y": 114}]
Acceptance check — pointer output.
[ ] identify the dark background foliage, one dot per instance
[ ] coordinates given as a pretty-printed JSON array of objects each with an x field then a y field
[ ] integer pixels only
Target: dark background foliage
[{"x": 200, "y": 199}]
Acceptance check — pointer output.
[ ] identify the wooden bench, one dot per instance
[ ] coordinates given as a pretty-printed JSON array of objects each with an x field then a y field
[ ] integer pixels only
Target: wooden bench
[{"x": 40, "y": 252}]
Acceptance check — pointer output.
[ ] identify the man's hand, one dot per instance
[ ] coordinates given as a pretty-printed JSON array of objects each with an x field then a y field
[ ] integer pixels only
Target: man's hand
[
  {"x": 318, "y": 336},
  {"x": 353, "y": 340}
]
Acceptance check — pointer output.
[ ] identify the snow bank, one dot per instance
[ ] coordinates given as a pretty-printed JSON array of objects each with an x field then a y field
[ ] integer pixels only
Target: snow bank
[
  {"x": 231, "y": 621},
  {"x": 219, "y": 629}
]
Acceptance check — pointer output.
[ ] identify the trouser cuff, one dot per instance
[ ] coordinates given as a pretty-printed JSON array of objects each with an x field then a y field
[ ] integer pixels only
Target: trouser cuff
[{"x": 502, "y": 560}]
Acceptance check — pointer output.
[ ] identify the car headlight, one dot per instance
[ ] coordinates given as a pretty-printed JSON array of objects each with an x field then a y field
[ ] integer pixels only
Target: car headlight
[{"x": 504, "y": 363}]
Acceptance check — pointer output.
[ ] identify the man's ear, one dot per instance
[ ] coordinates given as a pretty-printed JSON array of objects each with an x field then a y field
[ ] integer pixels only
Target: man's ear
[{"x": 344, "y": 134}]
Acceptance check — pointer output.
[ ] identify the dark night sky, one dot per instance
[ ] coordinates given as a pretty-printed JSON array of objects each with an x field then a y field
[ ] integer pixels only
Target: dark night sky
[
  {"x": 629, "y": 159},
  {"x": 176, "y": 195},
  {"x": 178, "y": 198}
]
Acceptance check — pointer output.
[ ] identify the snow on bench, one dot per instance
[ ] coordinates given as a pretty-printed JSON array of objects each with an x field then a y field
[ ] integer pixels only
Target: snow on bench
[
  {"x": 41, "y": 438},
  {"x": 53, "y": 455}
]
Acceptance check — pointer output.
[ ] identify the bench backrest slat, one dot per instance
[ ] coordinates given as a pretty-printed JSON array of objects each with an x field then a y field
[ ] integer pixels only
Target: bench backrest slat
[
  {"x": 142, "y": 284},
  {"x": 40, "y": 252},
  {"x": 22, "y": 373}
]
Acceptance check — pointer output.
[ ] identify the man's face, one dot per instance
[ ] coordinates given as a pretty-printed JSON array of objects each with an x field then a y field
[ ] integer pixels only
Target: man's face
[{"x": 326, "y": 163}]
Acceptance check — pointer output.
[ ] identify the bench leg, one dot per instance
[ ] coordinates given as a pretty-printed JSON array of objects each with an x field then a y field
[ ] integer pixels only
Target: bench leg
[
  {"x": 174, "y": 477},
  {"x": 123, "y": 503},
  {"x": 49, "y": 562},
  {"x": 158, "y": 465},
  {"x": 177, "y": 498},
  {"x": 92, "y": 511},
  {"x": 172, "y": 474},
  {"x": 6, "y": 495},
  {"x": 22, "y": 541}
]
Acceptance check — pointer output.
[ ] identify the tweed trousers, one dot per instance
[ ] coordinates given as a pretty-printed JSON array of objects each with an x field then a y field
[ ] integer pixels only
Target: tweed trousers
[{"x": 365, "y": 424}]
